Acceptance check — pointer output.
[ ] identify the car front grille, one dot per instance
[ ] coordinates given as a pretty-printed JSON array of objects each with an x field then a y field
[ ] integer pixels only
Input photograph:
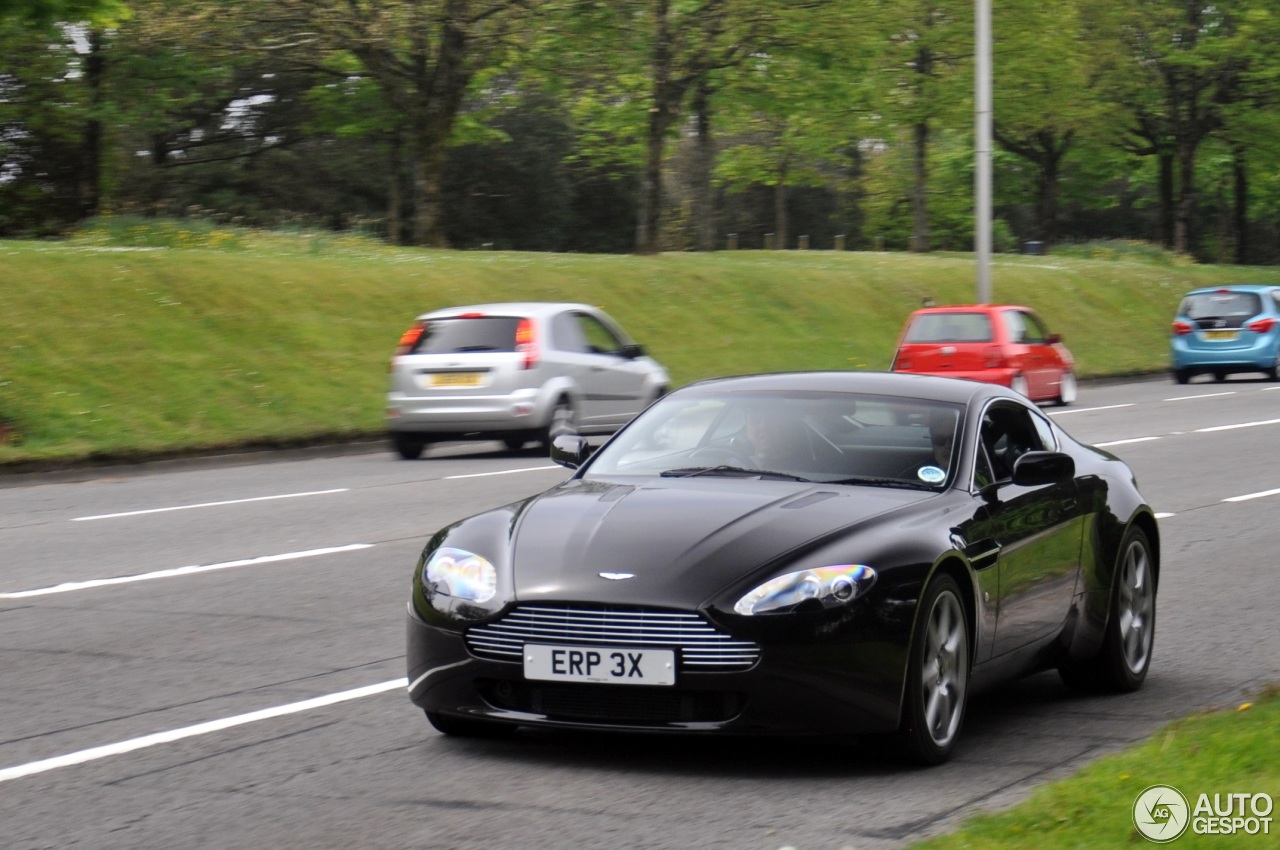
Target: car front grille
[
  {"x": 613, "y": 705},
  {"x": 698, "y": 645}
]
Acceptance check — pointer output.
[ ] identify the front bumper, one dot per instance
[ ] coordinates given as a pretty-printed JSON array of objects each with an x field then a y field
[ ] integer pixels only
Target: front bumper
[{"x": 794, "y": 688}]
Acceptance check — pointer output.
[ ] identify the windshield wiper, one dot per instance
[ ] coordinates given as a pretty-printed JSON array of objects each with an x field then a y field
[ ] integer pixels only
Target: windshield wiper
[
  {"x": 872, "y": 481},
  {"x": 692, "y": 471}
]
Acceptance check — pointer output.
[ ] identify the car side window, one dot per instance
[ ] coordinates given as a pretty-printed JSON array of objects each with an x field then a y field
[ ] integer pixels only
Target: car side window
[
  {"x": 1015, "y": 326},
  {"x": 1035, "y": 331},
  {"x": 566, "y": 334},
  {"x": 598, "y": 337},
  {"x": 1008, "y": 432}
]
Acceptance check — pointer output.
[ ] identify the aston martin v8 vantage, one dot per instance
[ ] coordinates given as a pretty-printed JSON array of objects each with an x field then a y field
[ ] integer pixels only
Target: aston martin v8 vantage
[{"x": 826, "y": 553}]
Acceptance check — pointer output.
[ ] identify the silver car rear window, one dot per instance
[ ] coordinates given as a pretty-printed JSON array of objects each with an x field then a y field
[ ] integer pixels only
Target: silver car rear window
[{"x": 478, "y": 333}]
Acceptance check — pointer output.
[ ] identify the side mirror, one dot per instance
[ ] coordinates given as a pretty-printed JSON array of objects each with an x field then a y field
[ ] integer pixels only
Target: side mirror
[
  {"x": 1036, "y": 468},
  {"x": 632, "y": 350},
  {"x": 570, "y": 450},
  {"x": 1053, "y": 339}
]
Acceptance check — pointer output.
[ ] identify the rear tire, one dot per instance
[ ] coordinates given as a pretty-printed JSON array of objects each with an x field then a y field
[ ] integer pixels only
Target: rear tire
[
  {"x": 408, "y": 446},
  {"x": 461, "y": 727},
  {"x": 1181, "y": 376},
  {"x": 514, "y": 444},
  {"x": 1121, "y": 665},
  {"x": 937, "y": 688}
]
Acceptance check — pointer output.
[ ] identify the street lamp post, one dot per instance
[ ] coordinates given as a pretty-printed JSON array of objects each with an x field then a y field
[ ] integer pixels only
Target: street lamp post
[{"x": 982, "y": 171}]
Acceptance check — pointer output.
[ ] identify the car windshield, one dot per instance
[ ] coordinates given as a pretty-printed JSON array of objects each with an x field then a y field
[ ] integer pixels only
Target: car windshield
[
  {"x": 832, "y": 438},
  {"x": 471, "y": 333},
  {"x": 949, "y": 327},
  {"x": 1221, "y": 305}
]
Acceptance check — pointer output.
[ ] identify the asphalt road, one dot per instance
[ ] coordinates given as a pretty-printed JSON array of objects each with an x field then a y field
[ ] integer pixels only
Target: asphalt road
[{"x": 211, "y": 655}]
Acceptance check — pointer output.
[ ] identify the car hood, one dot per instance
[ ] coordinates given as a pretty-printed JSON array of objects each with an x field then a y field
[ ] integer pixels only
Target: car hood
[{"x": 677, "y": 541}]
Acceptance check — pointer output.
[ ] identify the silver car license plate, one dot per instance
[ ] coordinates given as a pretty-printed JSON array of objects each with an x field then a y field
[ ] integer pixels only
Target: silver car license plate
[{"x": 610, "y": 665}]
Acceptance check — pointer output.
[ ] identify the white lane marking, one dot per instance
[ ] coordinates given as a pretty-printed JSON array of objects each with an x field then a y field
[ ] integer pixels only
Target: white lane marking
[
  {"x": 1249, "y": 496},
  {"x": 1241, "y": 425},
  {"x": 1126, "y": 442},
  {"x": 1164, "y": 515},
  {"x": 121, "y": 747},
  {"x": 1193, "y": 397},
  {"x": 500, "y": 472},
  {"x": 208, "y": 505},
  {"x": 1088, "y": 409},
  {"x": 67, "y": 587}
]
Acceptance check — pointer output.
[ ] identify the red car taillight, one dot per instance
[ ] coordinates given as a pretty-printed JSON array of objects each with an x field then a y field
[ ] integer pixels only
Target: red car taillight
[
  {"x": 993, "y": 358},
  {"x": 410, "y": 338},
  {"x": 526, "y": 344},
  {"x": 1182, "y": 328},
  {"x": 1262, "y": 326}
]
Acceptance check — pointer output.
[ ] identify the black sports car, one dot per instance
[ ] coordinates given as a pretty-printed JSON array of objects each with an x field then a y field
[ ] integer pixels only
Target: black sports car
[{"x": 830, "y": 553}]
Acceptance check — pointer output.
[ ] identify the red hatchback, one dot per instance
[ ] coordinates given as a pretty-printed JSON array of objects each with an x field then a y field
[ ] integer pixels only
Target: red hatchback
[{"x": 992, "y": 343}]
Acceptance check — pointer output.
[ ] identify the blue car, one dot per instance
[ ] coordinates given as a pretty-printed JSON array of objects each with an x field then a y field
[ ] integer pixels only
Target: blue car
[{"x": 1227, "y": 329}]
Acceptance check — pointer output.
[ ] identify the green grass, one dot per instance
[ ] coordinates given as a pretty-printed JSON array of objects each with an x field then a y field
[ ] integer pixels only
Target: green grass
[
  {"x": 1220, "y": 752},
  {"x": 139, "y": 338}
]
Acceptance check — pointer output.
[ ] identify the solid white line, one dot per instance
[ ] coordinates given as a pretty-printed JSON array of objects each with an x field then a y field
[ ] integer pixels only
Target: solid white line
[
  {"x": 1088, "y": 409},
  {"x": 1193, "y": 397},
  {"x": 208, "y": 505},
  {"x": 1253, "y": 496},
  {"x": 500, "y": 472},
  {"x": 21, "y": 770},
  {"x": 1126, "y": 442},
  {"x": 67, "y": 587},
  {"x": 1241, "y": 425}
]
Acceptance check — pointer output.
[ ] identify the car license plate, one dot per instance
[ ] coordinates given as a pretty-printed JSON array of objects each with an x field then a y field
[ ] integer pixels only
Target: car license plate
[
  {"x": 611, "y": 665},
  {"x": 455, "y": 379},
  {"x": 1221, "y": 334}
]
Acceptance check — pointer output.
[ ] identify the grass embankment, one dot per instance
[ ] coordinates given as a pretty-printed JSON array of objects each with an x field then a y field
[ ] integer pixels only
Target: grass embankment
[
  {"x": 135, "y": 340},
  {"x": 1216, "y": 753}
]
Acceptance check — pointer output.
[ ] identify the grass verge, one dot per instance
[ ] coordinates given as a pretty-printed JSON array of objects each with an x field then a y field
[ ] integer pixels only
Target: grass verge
[
  {"x": 1214, "y": 753},
  {"x": 138, "y": 339}
]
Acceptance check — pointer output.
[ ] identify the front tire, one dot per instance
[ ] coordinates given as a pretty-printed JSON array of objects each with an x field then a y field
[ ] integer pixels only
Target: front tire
[
  {"x": 1121, "y": 665},
  {"x": 1066, "y": 388},
  {"x": 937, "y": 676}
]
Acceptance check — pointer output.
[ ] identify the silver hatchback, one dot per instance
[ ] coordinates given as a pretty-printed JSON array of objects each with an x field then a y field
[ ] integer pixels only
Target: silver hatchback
[{"x": 515, "y": 372}]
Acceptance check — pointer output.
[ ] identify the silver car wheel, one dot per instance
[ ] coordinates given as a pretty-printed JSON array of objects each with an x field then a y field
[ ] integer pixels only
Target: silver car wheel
[
  {"x": 1135, "y": 606},
  {"x": 1018, "y": 385},
  {"x": 944, "y": 675},
  {"x": 562, "y": 421}
]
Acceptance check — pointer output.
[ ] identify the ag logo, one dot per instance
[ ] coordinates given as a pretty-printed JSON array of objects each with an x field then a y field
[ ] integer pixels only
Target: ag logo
[{"x": 1161, "y": 813}]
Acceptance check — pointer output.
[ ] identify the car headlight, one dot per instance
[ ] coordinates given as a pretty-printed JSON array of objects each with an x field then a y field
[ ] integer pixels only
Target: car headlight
[
  {"x": 460, "y": 574},
  {"x": 823, "y": 587}
]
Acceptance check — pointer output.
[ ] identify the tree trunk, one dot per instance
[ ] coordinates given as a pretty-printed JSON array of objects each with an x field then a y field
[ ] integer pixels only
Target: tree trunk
[
  {"x": 780, "y": 209},
  {"x": 1240, "y": 211},
  {"x": 1182, "y": 236},
  {"x": 395, "y": 177},
  {"x": 91, "y": 149},
  {"x": 1165, "y": 211},
  {"x": 662, "y": 112},
  {"x": 919, "y": 189},
  {"x": 704, "y": 213}
]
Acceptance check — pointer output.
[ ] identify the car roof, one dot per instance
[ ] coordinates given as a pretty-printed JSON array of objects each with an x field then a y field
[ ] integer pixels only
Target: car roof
[
  {"x": 971, "y": 308},
  {"x": 903, "y": 384},
  {"x": 1235, "y": 287},
  {"x": 538, "y": 309}
]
